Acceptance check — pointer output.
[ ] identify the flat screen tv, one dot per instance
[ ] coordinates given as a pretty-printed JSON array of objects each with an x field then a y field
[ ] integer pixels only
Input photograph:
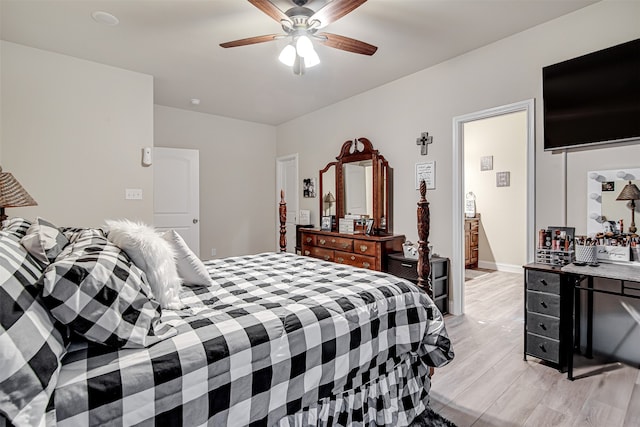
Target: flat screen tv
[{"x": 593, "y": 99}]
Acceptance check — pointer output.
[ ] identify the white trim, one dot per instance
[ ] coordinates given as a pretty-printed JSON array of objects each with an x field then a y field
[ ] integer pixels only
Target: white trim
[
  {"x": 509, "y": 268},
  {"x": 457, "y": 267}
]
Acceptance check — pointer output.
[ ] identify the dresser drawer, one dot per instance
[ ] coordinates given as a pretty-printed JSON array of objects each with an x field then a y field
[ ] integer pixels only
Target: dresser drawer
[
  {"x": 322, "y": 253},
  {"x": 543, "y": 348},
  {"x": 541, "y": 302},
  {"x": 407, "y": 269},
  {"x": 355, "y": 260},
  {"x": 339, "y": 243},
  {"x": 364, "y": 247},
  {"x": 308, "y": 239},
  {"x": 543, "y": 281},
  {"x": 546, "y": 326}
]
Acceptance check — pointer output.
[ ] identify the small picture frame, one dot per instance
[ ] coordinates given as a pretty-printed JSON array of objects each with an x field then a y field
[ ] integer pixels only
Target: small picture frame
[
  {"x": 486, "y": 163},
  {"x": 426, "y": 172},
  {"x": 369, "y": 226},
  {"x": 326, "y": 222},
  {"x": 309, "y": 187},
  {"x": 503, "y": 179}
]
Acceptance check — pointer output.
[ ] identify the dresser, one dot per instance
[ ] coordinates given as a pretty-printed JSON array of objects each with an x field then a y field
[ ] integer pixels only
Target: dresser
[
  {"x": 407, "y": 268},
  {"x": 471, "y": 232},
  {"x": 358, "y": 250},
  {"x": 548, "y": 313}
]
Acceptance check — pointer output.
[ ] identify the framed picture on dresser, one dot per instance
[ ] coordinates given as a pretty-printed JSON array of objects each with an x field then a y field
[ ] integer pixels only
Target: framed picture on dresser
[{"x": 325, "y": 223}]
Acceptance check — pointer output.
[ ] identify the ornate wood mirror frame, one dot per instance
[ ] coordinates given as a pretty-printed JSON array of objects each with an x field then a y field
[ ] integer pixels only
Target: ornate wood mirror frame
[{"x": 379, "y": 187}]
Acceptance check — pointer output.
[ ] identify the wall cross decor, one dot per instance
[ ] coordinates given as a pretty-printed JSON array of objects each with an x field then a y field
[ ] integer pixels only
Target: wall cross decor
[{"x": 423, "y": 140}]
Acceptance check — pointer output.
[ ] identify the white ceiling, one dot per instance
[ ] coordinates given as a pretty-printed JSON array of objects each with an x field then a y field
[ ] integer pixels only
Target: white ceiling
[{"x": 176, "y": 41}]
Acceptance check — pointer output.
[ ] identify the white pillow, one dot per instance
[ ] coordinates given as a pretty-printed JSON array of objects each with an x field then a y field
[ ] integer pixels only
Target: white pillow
[
  {"x": 190, "y": 267},
  {"x": 153, "y": 255}
]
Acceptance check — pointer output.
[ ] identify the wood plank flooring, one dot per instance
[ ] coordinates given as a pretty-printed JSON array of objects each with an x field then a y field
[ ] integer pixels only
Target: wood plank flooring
[{"x": 488, "y": 384}]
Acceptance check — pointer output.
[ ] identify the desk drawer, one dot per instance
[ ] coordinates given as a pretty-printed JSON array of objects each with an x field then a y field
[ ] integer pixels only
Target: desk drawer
[
  {"x": 361, "y": 261},
  {"x": 543, "y": 348},
  {"x": 407, "y": 269},
  {"x": 541, "y": 302},
  {"x": 546, "y": 326},
  {"x": 340, "y": 243},
  {"x": 543, "y": 281}
]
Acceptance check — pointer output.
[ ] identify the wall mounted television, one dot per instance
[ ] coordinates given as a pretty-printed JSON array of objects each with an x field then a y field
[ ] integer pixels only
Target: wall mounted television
[{"x": 593, "y": 99}]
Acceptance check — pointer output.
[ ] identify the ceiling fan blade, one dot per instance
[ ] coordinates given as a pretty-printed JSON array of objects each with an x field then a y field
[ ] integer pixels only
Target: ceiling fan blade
[
  {"x": 270, "y": 9},
  {"x": 335, "y": 10},
  {"x": 250, "y": 40},
  {"x": 346, "y": 43}
]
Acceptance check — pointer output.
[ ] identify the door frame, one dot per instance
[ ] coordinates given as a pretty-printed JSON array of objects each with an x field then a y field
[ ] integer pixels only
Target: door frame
[
  {"x": 279, "y": 163},
  {"x": 457, "y": 267}
]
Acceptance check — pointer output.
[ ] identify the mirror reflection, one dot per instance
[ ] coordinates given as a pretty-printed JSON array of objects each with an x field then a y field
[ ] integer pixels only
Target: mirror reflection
[
  {"x": 358, "y": 188},
  {"x": 616, "y": 210}
]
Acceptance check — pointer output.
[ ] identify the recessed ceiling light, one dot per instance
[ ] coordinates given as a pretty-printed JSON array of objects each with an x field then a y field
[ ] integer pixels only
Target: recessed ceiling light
[
  {"x": 105, "y": 18},
  {"x": 195, "y": 101}
]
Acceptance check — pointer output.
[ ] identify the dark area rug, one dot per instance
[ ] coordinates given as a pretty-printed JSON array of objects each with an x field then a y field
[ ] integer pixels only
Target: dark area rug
[{"x": 429, "y": 418}]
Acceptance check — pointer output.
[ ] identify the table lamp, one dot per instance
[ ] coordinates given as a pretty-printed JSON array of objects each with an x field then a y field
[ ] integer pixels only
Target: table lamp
[
  {"x": 329, "y": 200},
  {"x": 12, "y": 194},
  {"x": 630, "y": 192}
]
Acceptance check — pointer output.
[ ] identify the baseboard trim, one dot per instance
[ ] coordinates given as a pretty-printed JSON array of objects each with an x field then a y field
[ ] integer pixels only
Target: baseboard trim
[{"x": 509, "y": 268}]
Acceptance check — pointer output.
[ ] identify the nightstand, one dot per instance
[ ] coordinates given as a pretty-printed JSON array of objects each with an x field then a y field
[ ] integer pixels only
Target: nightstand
[{"x": 407, "y": 268}]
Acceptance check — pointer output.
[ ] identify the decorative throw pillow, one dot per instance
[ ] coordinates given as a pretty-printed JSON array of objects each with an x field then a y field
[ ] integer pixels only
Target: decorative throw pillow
[
  {"x": 31, "y": 346},
  {"x": 153, "y": 255},
  {"x": 44, "y": 241},
  {"x": 16, "y": 226},
  {"x": 98, "y": 292},
  {"x": 190, "y": 267}
]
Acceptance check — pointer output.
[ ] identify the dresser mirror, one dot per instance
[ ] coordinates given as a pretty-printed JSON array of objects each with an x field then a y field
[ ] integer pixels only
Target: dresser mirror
[{"x": 360, "y": 181}]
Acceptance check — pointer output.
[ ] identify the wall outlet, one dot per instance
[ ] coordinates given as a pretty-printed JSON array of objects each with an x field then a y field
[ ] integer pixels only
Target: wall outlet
[
  {"x": 213, "y": 251},
  {"x": 133, "y": 193}
]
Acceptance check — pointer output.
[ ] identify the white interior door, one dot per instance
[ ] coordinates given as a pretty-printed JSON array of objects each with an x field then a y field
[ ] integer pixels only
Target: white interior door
[
  {"x": 287, "y": 180},
  {"x": 176, "y": 193}
]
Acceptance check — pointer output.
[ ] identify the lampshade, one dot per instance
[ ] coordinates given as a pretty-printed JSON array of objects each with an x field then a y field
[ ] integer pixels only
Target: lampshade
[
  {"x": 629, "y": 192},
  {"x": 288, "y": 55},
  {"x": 299, "y": 55},
  {"x": 12, "y": 194},
  {"x": 329, "y": 198}
]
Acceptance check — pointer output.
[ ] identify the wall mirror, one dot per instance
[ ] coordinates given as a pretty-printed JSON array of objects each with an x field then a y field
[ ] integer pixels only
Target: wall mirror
[
  {"x": 603, "y": 189},
  {"x": 360, "y": 181}
]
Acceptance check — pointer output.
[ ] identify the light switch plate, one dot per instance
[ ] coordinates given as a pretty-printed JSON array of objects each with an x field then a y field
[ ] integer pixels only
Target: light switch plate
[{"x": 133, "y": 193}]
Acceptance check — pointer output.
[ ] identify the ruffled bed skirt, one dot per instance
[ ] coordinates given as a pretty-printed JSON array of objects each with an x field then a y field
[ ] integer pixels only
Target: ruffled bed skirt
[{"x": 392, "y": 399}]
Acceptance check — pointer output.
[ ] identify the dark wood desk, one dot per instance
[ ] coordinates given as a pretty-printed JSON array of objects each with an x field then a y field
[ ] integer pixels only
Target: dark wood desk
[{"x": 629, "y": 277}]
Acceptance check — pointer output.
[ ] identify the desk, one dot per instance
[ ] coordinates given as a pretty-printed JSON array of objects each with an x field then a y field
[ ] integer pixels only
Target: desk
[{"x": 577, "y": 275}]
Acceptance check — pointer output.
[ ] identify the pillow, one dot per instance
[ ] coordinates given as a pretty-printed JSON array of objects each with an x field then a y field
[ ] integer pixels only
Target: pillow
[
  {"x": 16, "y": 226},
  {"x": 190, "y": 268},
  {"x": 100, "y": 294},
  {"x": 44, "y": 241},
  {"x": 31, "y": 347},
  {"x": 153, "y": 255}
]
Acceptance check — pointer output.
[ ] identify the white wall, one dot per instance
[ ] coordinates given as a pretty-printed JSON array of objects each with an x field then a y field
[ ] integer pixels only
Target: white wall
[
  {"x": 237, "y": 178},
  {"x": 503, "y": 213},
  {"x": 72, "y": 134}
]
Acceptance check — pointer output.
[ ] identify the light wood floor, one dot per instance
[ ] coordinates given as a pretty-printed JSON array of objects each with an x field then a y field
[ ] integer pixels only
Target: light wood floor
[{"x": 489, "y": 384}]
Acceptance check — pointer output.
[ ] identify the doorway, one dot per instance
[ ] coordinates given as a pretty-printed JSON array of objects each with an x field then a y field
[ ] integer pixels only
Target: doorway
[
  {"x": 176, "y": 193},
  {"x": 287, "y": 181},
  {"x": 458, "y": 261}
]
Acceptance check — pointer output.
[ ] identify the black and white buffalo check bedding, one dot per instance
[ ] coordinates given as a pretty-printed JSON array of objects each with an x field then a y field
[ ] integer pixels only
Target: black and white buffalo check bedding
[{"x": 277, "y": 339}]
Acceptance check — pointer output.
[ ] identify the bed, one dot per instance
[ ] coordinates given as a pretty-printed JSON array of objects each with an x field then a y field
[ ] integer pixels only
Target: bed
[{"x": 274, "y": 339}]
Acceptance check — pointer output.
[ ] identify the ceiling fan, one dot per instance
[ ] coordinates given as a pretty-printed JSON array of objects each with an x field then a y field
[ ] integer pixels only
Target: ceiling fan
[{"x": 301, "y": 24}]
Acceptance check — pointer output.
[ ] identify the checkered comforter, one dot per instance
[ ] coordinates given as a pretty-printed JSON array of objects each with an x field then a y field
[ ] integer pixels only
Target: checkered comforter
[{"x": 278, "y": 339}]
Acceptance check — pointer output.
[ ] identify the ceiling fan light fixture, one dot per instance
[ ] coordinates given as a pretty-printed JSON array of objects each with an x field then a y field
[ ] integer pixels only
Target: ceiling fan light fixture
[
  {"x": 288, "y": 55},
  {"x": 312, "y": 59},
  {"x": 304, "y": 47}
]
